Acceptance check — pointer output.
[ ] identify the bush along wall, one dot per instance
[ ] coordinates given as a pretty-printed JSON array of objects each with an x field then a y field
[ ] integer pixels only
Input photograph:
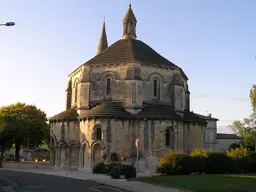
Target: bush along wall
[
  {"x": 200, "y": 161},
  {"x": 115, "y": 170}
]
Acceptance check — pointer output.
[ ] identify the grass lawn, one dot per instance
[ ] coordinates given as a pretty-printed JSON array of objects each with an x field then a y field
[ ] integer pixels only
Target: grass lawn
[{"x": 207, "y": 183}]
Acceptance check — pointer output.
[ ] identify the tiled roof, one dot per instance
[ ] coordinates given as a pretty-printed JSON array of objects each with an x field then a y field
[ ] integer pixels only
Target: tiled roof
[
  {"x": 106, "y": 109},
  {"x": 192, "y": 117},
  {"x": 127, "y": 51},
  {"x": 209, "y": 117},
  {"x": 115, "y": 110},
  {"x": 227, "y": 136},
  {"x": 70, "y": 114},
  {"x": 158, "y": 111}
]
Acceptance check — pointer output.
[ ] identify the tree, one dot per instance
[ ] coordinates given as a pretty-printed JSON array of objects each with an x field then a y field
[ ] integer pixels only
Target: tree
[
  {"x": 22, "y": 125},
  {"x": 245, "y": 128},
  {"x": 253, "y": 98},
  {"x": 241, "y": 144}
]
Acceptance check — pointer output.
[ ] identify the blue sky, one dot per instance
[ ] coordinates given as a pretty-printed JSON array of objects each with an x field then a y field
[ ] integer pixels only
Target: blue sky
[{"x": 213, "y": 41}]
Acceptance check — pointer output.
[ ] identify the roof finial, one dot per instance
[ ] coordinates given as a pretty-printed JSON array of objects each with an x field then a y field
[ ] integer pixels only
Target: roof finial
[
  {"x": 104, "y": 19},
  {"x": 129, "y": 23},
  {"x": 103, "y": 43}
]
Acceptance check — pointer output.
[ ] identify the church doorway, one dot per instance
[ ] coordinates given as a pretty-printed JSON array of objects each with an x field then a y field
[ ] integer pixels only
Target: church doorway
[{"x": 96, "y": 154}]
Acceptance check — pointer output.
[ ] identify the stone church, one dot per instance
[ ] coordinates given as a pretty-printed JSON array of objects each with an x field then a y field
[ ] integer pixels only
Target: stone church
[{"x": 126, "y": 91}]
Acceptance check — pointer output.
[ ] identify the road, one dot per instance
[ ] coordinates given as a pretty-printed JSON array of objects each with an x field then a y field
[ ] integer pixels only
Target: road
[{"x": 11, "y": 181}]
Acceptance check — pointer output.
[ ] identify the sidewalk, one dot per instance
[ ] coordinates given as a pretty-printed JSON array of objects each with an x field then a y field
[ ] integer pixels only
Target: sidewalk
[{"x": 131, "y": 186}]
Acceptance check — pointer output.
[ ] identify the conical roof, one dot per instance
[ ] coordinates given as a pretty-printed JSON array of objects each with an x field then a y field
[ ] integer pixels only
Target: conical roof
[
  {"x": 103, "y": 43},
  {"x": 129, "y": 17}
]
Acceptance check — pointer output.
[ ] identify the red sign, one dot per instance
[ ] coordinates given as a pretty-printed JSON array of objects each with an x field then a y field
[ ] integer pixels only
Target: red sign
[{"x": 137, "y": 143}]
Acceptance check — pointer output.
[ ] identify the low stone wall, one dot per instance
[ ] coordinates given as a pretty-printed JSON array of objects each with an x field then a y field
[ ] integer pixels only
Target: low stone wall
[{"x": 26, "y": 165}]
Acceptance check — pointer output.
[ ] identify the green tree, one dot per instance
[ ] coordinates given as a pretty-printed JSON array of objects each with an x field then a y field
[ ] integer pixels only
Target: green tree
[
  {"x": 253, "y": 98},
  {"x": 244, "y": 128},
  {"x": 241, "y": 144},
  {"x": 22, "y": 125}
]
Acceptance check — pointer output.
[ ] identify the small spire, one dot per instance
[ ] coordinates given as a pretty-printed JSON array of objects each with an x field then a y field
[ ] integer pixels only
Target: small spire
[
  {"x": 103, "y": 43},
  {"x": 129, "y": 24}
]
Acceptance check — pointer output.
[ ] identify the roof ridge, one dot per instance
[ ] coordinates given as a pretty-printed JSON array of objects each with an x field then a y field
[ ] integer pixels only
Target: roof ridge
[{"x": 133, "y": 55}]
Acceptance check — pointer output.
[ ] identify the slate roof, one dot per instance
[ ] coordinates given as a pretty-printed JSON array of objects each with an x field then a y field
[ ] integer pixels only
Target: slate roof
[
  {"x": 227, "y": 136},
  {"x": 127, "y": 51}
]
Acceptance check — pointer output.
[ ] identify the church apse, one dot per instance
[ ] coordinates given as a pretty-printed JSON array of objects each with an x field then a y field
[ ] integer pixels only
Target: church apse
[{"x": 126, "y": 91}]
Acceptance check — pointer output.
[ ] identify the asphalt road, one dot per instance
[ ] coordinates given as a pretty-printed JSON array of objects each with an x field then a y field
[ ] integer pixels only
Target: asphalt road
[{"x": 11, "y": 181}]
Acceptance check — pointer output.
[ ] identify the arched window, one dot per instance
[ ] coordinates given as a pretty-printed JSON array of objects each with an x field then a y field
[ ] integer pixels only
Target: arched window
[
  {"x": 156, "y": 89},
  {"x": 108, "y": 86},
  {"x": 169, "y": 137},
  {"x": 98, "y": 133}
]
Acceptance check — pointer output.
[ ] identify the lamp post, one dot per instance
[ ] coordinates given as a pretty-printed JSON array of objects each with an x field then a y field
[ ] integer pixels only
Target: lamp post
[{"x": 7, "y": 24}]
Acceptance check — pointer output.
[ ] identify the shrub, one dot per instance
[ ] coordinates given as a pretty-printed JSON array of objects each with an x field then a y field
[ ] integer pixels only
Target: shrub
[
  {"x": 128, "y": 170},
  {"x": 99, "y": 168},
  {"x": 238, "y": 152},
  {"x": 175, "y": 164},
  {"x": 241, "y": 160},
  {"x": 199, "y": 153},
  {"x": 114, "y": 172},
  {"x": 253, "y": 162},
  {"x": 122, "y": 169},
  {"x": 114, "y": 157},
  {"x": 218, "y": 163},
  {"x": 108, "y": 168},
  {"x": 199, "y": 160}
]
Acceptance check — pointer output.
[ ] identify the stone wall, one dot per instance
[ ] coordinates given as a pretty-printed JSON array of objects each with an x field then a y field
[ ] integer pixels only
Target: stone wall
[
  {"x": 93, "y": 87},
  {"x": 119, "y": 136}
]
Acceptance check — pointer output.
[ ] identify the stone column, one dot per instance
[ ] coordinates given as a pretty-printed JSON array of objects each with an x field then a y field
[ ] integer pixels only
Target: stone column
[
  {"x": 67, "y": 160},
  {"x": 181, "y": 137},
  {"x": 53, "y": 156},
  {"x": 90, "y": 161},
  {"x": 80, "y": 157},
  {"x": 77, "y": 156},
  {"x": 105, "y": 133},
  {"x": 146, "y": 142},
  {"x": 175, "y": 128},
  {"x": 57, "y": 162}
]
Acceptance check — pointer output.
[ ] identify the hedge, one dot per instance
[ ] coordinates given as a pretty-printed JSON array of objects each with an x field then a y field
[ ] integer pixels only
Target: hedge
[
  {"x": 115, "y": 170},
  {"x": 201, "y": 161}
]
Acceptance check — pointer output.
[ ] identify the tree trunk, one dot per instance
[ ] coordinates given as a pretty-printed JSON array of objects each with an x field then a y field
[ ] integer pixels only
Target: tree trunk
[{"x": 17, "y": 152}]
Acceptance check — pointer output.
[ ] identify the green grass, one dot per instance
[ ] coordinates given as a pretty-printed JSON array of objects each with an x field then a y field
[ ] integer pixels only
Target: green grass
[{"x": 207, "y": 183}]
